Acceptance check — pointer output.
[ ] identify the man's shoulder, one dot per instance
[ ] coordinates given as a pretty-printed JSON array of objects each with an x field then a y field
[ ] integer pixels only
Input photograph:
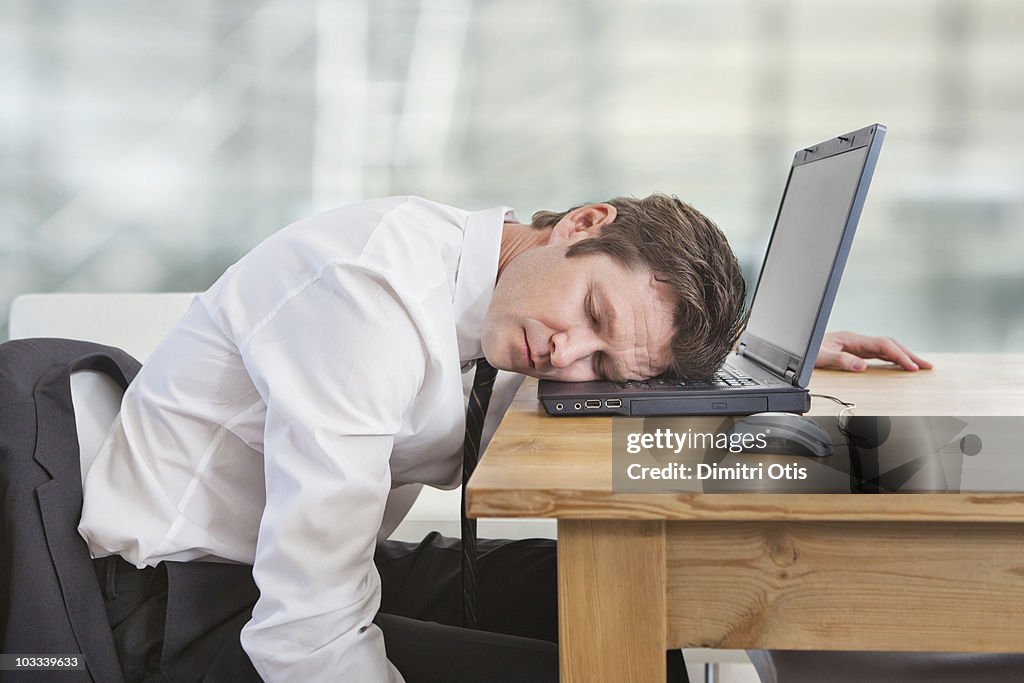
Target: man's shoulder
[
  {"x": 359, "y": 222},
  {"x": 382, "y": 206},
  {"x": 405, "y": 211}
]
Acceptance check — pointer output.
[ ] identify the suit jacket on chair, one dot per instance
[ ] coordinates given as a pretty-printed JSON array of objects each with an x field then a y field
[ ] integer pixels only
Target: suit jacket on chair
[{"x": 50, "y": 600}]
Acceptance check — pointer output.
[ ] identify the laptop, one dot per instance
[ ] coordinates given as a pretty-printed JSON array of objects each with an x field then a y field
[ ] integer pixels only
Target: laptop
[{"x": 772, "y": 364}]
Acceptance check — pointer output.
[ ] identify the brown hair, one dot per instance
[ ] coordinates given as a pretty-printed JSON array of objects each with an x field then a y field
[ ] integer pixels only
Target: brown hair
[{"x": 687, "y": 251}]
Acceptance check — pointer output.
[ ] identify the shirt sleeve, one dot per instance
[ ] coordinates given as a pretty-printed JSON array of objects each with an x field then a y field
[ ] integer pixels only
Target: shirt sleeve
[{"x": 336, "y": 363}]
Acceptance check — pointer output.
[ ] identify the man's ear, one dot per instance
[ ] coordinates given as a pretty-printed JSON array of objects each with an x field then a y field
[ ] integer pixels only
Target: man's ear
[{"x": 585, "y": 221}]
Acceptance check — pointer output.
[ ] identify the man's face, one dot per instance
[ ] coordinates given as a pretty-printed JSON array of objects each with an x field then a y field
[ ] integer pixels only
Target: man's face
[{"x": 577, "y": 319}]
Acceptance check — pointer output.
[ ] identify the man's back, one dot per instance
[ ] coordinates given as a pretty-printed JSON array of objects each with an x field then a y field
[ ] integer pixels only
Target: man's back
[{"x": 320, "y": 371}]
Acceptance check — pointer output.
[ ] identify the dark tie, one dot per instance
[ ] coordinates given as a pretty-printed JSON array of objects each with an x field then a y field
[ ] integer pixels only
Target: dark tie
[{"x": 483, "y": 382}]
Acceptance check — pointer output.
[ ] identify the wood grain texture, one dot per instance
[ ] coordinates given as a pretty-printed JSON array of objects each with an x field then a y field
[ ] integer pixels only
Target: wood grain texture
[
  {"x": 611, "y": 583},
  {"x": 841, "y": 586},
  {"x": 642, "y": 572},
  {"x": 539, "y": 466}
]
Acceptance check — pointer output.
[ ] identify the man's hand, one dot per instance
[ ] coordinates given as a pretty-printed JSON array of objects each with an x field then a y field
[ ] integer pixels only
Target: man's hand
[{"x": 847, "y": 351}]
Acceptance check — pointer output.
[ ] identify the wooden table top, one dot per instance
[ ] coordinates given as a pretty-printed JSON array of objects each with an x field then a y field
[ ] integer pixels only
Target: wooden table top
[{"x": 541, "y": 466}]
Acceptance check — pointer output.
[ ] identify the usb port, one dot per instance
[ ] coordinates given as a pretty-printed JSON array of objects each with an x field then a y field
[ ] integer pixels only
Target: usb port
[
  {"x": 593, "y": 403},
  {"x": 613, "y": 403}
]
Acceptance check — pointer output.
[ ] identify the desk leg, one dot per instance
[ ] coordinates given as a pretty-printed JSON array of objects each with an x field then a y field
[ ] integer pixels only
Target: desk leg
[{"x": 611, "y": 602}]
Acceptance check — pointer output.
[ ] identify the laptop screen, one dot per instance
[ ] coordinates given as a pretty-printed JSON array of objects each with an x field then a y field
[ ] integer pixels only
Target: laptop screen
[{"x": 806, "y": 245}]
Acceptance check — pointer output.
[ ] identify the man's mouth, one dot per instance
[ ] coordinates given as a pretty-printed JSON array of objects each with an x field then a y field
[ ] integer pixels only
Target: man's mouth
[{"x": 529, "y": 354}]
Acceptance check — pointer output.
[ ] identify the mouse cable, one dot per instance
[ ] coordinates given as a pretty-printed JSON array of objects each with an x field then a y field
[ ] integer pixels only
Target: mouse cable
[{"x": 844, "y": 413}]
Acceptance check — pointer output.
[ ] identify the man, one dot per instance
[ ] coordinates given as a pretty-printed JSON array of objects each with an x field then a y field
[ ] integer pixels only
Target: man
[{"x": 282, "y": 422}]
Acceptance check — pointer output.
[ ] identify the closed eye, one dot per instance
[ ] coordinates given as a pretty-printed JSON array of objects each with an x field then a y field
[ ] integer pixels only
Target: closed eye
[{"x": 591, "y": 311}]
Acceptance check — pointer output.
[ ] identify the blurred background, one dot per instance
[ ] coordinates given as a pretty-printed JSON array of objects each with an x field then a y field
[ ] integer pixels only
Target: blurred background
[{"x": 146, "y": 146}]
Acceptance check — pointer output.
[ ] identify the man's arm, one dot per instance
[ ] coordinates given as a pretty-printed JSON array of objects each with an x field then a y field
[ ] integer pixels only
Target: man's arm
[
  {"x": 337, "y": 365},
  {"x": 847, "y": 351}
]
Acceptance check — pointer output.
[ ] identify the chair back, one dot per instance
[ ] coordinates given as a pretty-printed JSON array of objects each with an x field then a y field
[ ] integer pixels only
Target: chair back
[{"x": 133, "y": 322}]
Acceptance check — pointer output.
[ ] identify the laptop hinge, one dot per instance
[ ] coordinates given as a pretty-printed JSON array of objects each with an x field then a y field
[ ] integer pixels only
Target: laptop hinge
[
  {"x": 780, "y": 363},
  {"x": 765, "y": 362}
]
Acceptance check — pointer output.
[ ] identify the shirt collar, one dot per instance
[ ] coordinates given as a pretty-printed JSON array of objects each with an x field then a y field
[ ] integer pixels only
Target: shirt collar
[{"x": 476, "y": 276}]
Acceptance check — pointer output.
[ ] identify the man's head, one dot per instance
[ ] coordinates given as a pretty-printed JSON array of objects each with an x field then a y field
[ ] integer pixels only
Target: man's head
[{"x": 625, "y": 289}]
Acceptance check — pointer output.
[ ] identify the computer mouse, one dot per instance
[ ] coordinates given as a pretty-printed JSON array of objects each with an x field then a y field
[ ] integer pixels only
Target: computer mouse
[{"x": 782, "y": 433}]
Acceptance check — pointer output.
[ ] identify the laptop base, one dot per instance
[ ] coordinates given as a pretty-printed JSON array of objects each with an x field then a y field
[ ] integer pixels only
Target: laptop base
[{"x": 564, "y": 401}]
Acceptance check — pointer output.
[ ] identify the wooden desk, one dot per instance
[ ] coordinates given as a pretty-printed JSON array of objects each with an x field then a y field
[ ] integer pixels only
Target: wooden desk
[{"x": 642, "y": 573}]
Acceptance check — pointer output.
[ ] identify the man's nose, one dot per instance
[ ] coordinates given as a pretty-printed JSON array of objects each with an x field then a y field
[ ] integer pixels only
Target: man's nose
[{"x": 571, "y": 346}]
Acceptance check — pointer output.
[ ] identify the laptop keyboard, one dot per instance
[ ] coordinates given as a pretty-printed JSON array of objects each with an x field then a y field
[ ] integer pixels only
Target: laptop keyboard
[{"x": 727, "y": 377}]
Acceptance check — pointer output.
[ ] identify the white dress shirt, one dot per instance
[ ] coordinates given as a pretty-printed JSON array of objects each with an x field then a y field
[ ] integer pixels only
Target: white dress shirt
[{"x": 281, "y": 422}]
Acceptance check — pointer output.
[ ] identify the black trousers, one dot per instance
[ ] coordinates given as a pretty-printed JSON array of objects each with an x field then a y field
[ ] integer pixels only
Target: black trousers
[{"x": 181, "y": 621}]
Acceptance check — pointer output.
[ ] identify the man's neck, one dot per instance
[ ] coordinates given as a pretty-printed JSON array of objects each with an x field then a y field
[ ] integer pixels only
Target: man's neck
[{"x": 517, "y": 238}]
